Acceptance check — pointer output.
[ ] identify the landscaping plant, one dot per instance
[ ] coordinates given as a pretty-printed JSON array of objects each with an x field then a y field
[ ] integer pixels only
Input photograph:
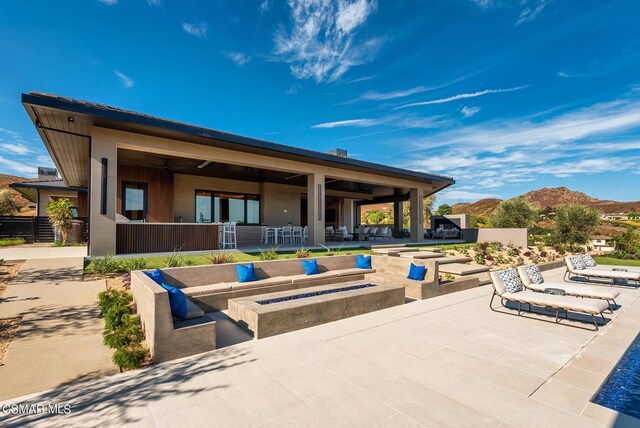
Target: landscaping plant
[
  {"x": 105, "y": 265},
  {"x": 270, "y": 254},
  {"x": 513, "y": 213},
  {"x": 302, "y": 253},
  {"x": 7, "y": 205},
  {"x": 61, "y": 217},
  {"x": 220, "y": 258},
  {"x": 574, "y": 225}
]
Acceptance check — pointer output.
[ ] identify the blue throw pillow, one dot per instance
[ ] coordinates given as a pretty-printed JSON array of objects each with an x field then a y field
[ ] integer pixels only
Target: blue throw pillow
[
  {"x": 177, "y": 301},
  {"x": 310, "y": 266},
  {"x": 156, "y": 275},
  {"x": 363, "y": 262},
  {"x": 417, "y": 272},
  {"x": 246, "y": 273}
]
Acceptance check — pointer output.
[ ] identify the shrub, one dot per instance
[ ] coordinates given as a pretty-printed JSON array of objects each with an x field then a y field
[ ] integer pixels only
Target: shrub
[
  {"x": 495, "y": 246},
  {"x": 628, "y": 243},
  {"x": 502, "y": 260},
  {"x": 176, "y": 259},
  {"x": 513, "y": 213},
  {"x": 479, "y": 258},
  {"x": 332, "y": 251},
  {"x": 512, "y": 251},
  {"x": 270, "y": 254},
  {"x": 8, "y": 242},
  {"x": 136, "y": 263},
  {"x": 105, "y": 265},
  {"x": 61, "y": 217},
  {"x": 122, "y": 330},
  {"x": 302, "y": 253},
  {"x": 8, "y": 205},
  {"x": 221, "y": 258}
]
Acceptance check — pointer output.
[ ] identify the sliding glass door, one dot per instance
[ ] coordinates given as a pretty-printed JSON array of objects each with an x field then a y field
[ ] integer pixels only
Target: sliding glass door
[{"x": 223, "y": 207}]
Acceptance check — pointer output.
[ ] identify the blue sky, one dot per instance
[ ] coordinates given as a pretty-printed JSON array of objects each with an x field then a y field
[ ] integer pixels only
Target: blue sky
[{"x": 506, "y": 96}]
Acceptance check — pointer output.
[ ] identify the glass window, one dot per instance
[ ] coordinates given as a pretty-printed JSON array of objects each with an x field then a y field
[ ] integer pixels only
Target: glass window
[
  {"x": 203, "y": 206},
  {"x": 134, "y": 201},
  {"x": 227, "y": 207},
  {"x": 253, "y": 209}
]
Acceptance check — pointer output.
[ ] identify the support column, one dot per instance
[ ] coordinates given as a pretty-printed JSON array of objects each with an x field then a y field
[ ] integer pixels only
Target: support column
[
  {"x": 397, "y": 219},
  {"x": 103, "y": 182},
  {"x": 315, "y": 208},
  {"x": 348, "y": 214},
  {"x": 416, "y": 214}
]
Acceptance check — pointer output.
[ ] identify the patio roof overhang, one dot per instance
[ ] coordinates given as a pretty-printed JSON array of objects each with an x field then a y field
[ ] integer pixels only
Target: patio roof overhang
[
  {"x": 65, "y": 126},
  {"x": 29, "y": 189}
]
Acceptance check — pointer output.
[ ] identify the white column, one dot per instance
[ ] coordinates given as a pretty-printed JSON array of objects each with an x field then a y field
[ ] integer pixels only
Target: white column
[
  {"x": 102, "y": 226},
  {"x": 348, "y": 214},
  {"x": 416, "y": 214},
  {"x": 315, "y": 208}
]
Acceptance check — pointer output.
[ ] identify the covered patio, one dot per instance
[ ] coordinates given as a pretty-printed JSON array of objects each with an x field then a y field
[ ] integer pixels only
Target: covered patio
[{"x": 157, "y": 185}]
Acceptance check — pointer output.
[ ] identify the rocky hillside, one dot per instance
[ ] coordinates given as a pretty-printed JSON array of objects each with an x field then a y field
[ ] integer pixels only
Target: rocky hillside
[
  {"x": 23, "y": 203},
  {"x": 552, "y": 198}
]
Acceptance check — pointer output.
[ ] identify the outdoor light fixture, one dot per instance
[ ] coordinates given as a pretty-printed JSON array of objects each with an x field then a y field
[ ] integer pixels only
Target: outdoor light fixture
[
  {"x": 203, "y": 164},
  {"x": 293, "y": 176},
  {"x": 71, "y": 119}
]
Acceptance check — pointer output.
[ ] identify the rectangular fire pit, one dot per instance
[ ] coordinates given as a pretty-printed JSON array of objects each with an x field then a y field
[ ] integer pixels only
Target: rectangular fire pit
[{"x": 275, "y": 313}]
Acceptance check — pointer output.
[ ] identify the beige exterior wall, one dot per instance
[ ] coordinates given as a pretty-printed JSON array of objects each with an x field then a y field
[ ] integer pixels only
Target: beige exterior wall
[
  {"x": 45, "y": 196},
  {"x": 517, "y": 237},
  {"x": 280, "y": 203}
]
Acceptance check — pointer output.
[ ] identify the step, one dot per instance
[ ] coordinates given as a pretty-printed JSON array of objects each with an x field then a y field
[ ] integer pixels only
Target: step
[
  {"x": 483, "y": 277},
  {"x": 392, "y": 250},
  {"x": 420, "y": 255},
  {"x": 462, "y": 269},
  {"x": 432, "y": 249},
  {"x": 453, "y": 259}
]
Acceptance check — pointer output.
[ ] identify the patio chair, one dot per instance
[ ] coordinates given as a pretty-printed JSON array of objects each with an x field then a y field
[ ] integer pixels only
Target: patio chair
[
  {"x": 509, "y": 288},
  {"x": 576, "y": 266},
  {"x": 329, "y": 233},
  {"x": 286, "y": 235},
  {"x": 533, "y": 280},
  {"x": 343, "y": 234},
  {"x": 296, "y": 235},
  {"x": 305, "y": 234}
]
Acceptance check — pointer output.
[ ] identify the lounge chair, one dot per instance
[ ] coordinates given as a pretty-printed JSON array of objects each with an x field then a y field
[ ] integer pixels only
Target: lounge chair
[
  {"x": 343, "y": 234},
  {"x": 591, "y": 263},
  {"x": 533, "y": 280},
  {"x": 576, "y": 266},
  {"x": 519, "y": 295}
]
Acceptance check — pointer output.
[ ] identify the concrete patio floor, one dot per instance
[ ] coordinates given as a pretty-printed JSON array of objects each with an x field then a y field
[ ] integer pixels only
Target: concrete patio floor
[
  {"x": 41, "y": 251},
  {"x": 60, "y": 335},
  {"x": 446, "y": 361}
]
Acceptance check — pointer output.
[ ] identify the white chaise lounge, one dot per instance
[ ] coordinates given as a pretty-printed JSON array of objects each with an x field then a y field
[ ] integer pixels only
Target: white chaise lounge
[
  {"x": 576, "y": 266},
  {"x": 533, "y": 280},
  {"x": 513, "y": 291}
]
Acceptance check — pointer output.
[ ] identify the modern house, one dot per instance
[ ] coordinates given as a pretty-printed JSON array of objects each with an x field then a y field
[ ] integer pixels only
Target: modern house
[
  {"x": 47, "y": 188},
  {"x": 156, "y": 185},
  {"x": 603, "y": 243}
]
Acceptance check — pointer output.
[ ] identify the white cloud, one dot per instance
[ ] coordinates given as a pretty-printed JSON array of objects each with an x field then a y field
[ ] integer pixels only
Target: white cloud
[
  {"x": 108, "y": 2},
  {"x": 469, "y": 111},
  {"x": 196, "y": 30},
  {"x": 321, "y": 42},
  {"x": 531, "y": 11},
  {"x": 342, "y": 123},
  {"x": 17, "y": 167},
  {"x": 154, "y": 2},
  {"x": 15, "y": 148},
  {"x": 125, "y": 80},
  {"x": 264, "y": 6},
  {"x": 238, "y": 58},
  {"x": 382, "y": 96},
  {"x": 462, "y": 96},
  {"x": 482, "y": 3}
]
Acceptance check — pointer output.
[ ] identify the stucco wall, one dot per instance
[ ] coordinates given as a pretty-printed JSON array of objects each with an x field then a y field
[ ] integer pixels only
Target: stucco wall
[
  {"x": 517, "y": 237},
  {"x": 281, "y": 204},
  {"x": 46, "y": 195}
]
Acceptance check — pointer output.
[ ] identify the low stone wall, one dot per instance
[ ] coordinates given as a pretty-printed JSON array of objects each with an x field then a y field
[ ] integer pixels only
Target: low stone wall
[
  {"x": 516, "y": 237},
  {"x": 551, "y": 265}
]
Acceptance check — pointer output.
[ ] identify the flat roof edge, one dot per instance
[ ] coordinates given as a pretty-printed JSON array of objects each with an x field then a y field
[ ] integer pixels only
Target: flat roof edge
[{"x": 117, "y": 114}]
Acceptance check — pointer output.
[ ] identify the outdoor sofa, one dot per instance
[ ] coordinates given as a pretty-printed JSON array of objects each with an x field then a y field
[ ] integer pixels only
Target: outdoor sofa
[
  {"x": 590, "y": 307},
  {"x": 533, "y": 280},
  {"x": 576, "y": 266},
  {"x": 373, "y": 232}
]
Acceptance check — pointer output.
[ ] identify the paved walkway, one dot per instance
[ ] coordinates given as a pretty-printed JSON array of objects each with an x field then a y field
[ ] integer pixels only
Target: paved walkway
[
  {"x": 59, "y": 339},
  {"x": 41, "y": 251},
  {"x": 446, "y": 361}
]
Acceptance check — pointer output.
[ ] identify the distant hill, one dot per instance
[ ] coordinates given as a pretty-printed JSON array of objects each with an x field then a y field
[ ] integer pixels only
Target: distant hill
[
  {"x": 22, "y": 202},
  {"x": 549, "y": 197}
]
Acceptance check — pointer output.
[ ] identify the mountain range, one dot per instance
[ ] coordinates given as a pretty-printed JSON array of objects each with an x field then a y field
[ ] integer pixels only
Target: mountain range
[{"x": 551, "y": 198}]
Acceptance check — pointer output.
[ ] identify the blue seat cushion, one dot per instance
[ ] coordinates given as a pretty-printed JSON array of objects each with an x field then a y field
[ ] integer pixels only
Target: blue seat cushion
[
  {"x": 417, "y": 272},
  {"x": 310, "y": 266},
  {"x": 156, "y": 275},
  {"x": 246, "y": 273},
  {"x": 177, "y": 301},
  {"x": 363, "y": 262}
]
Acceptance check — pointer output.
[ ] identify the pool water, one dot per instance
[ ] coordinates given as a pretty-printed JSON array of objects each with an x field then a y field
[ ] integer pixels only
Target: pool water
[
  {"x": 313, "y": 294},
  {"x": 621, "y": 391}
]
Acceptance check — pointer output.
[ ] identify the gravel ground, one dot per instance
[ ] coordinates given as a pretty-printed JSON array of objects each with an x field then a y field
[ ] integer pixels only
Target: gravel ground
[
  {"x": 7, "y": 273},
  {"x": 8, "y": 329}
]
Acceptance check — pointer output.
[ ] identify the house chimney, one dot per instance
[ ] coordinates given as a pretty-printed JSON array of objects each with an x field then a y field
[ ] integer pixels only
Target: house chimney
[
  {"x": 45, "y": 173},
  {"x": 338, "y": 152}
]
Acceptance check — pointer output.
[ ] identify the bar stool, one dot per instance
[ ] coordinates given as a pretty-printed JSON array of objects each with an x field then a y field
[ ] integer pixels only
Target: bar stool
[{"x": 229, "y": 236}]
